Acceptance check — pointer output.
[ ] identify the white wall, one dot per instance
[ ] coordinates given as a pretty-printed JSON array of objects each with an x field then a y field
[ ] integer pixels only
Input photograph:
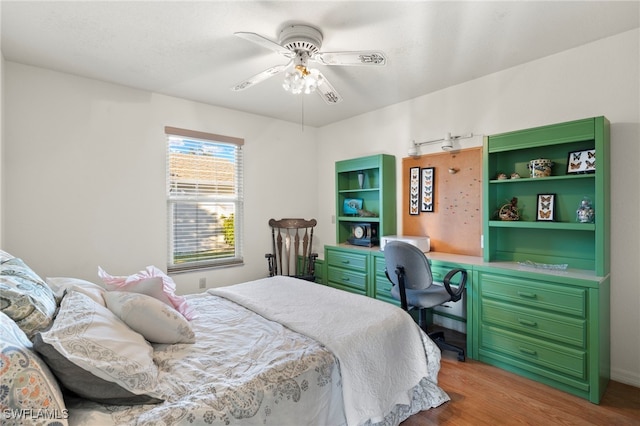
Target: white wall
[
  {"x": 601, "y": 78},
  {"x": 85, "y": 169}
]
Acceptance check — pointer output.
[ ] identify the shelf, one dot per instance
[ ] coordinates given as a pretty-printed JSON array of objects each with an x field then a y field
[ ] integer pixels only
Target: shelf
[
  {"x": 583, "y": 245},
  {"x": 358, "y": 219},
  {"x": 376, "y": 175},
  {"x": 569, "y": 226},
  {"x": 544, "y": 179},
  {"x": 358, "y": 190}
]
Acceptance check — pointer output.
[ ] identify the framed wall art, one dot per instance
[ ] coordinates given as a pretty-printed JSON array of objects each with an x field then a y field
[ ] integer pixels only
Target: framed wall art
[
  {"x": 546, "y": 207},
  {"x": 428, "y": 189},
  {"x": 414, "y": 190},
  {"x": 351, "y": 206},
  {"x": 582, "y": 162}
]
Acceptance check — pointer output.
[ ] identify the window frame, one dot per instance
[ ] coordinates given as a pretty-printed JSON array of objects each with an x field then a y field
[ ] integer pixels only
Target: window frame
[{"x": 196, "y": 198}]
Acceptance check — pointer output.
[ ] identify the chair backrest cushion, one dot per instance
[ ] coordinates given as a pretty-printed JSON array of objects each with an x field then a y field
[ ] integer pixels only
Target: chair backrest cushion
[{"x": 416, "y": 266}]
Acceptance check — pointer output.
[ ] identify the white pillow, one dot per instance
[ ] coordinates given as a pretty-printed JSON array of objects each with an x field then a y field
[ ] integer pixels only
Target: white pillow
[
  {"x": 61, "y": 284},
  {"x": 96, "y": 355},
  {"x": 156, "y": 321},
  {"x": 152, "y": 282}
]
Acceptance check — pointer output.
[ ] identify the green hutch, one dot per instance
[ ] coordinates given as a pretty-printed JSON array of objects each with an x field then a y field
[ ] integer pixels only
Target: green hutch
[{"x": 528, "y": 313}]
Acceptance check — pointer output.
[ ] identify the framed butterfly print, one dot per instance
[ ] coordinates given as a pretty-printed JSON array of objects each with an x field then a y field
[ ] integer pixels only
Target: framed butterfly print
[
  {"x": 581, "y": 162},
  {"x": 546, "y": 207},
  {"x": 428, "y": 189},
  {"x": 414, "y": 190}
]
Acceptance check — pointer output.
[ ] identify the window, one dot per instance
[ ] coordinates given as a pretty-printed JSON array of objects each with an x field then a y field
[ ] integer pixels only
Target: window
[{"x": 204, "y": 199}]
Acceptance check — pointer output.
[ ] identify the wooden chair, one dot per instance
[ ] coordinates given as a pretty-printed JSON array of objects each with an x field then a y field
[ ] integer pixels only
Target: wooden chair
[{"x": 292, "y": 255}]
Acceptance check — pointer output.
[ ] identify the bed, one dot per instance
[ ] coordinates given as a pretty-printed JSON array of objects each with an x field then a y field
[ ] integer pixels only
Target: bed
[{"x": 278, "y": 351}]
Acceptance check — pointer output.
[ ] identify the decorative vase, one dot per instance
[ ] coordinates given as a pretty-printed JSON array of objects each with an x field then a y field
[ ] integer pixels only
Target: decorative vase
[
  {"x": 540, "y": 167},
  {"x": 361, "y": 179},
  {"x": 585, "y": 212}
]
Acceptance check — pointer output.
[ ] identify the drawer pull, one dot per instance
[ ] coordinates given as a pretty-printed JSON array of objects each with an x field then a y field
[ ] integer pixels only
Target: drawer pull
[
  {"x": 527, "y": 295},
  {"x": 346, "y": 262},
  {"x": 527, "y": 322},
  {"x": 345, "y": 278},
  {"x": 528, "y": 351}
]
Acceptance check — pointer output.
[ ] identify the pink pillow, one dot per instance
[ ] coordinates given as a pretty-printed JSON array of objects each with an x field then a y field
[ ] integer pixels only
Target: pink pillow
[{"x": 152, "y": 282}]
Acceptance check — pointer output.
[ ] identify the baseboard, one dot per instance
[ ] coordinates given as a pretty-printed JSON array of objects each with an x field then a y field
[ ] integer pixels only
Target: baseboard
[{"x": 626, "y": 377}]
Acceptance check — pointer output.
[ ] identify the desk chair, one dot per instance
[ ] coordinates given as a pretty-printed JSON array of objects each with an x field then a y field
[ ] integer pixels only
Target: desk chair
[
  {"x": 412, "y": 286},
  {"x": 291, "y": 254}
]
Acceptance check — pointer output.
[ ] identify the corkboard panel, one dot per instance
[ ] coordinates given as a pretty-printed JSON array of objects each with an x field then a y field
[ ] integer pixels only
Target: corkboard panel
[{"x": 455, "y": 224}]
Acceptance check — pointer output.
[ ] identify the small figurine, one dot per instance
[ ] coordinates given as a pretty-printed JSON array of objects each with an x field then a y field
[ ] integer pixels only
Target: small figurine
[
  {"x": 515, "y": 175},
  {"x": 366, "y": 213},
  {"x": 510, "y": 211},
  {"x": 502, "y": 176}
]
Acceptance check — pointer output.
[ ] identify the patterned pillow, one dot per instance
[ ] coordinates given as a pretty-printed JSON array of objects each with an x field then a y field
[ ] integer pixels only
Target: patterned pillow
[
  {"x": 96, "y": 355},
  {"x": 4, "y": 256},
  {"x": 29, "y": 393},
  {"x": 156, "y": 321},
  {"x": 25, "y": 297}
]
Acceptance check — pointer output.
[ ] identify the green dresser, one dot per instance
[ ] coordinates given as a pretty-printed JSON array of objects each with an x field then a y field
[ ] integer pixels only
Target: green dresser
[
  {"x": 347, "y": 269},
  {"x": 553, "y": 328}
]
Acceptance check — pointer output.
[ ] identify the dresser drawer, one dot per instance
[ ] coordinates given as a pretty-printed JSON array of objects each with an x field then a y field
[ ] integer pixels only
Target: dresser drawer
[
  {"x": 346, "y": 277},
  {"x": 355, "y": 261},
  {"x": 560, "y": 328},
  {"x": 383, "y": 285},
  {"x": 539, "y": 356},
  {"x": 534, "y": 294}
]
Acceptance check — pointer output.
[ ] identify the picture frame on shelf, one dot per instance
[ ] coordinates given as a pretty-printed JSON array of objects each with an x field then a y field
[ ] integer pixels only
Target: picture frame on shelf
[
  {"x": 351, "y": 206},
  {"x": 414, "y": 190},
  {"x": 427, "y": 198},
  {"x": 546, "y": 207},
  {"x": 581, "y": 162}
]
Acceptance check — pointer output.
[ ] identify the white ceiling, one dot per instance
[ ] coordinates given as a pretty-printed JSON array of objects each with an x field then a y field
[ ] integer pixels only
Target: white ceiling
[{"x": 187, "y": 49}]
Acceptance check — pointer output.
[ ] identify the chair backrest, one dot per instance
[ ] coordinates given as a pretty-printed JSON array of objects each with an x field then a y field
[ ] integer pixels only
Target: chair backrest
[
  {"x": 292, "y": 241},
  {"x": 417, "y": 271}
]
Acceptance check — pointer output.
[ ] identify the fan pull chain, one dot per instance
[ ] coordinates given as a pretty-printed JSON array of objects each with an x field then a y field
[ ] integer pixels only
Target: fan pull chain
[{"x": 302, "y": 118}]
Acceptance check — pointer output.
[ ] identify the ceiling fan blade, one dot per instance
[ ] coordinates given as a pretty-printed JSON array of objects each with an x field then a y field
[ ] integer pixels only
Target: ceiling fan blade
[
  {"x": 260, "y": 77},
  {"x": 370, "y": 57},
  {"x": 327, "y": 92},
  {"x": 265, "y": 42}
]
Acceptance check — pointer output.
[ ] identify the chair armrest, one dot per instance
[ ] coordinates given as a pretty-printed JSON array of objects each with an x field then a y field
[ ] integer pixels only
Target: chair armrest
[
  {"x": 271, "y": 262},
  {"x": 455, "y": 295}
]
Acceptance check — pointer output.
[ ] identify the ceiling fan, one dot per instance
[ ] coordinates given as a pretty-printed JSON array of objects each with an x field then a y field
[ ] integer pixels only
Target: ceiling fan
[{"x": 301, "y": 44}]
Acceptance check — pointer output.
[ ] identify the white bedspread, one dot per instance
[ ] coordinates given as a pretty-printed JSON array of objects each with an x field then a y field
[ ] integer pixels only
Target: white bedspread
[{"x": 381, "y": 351}]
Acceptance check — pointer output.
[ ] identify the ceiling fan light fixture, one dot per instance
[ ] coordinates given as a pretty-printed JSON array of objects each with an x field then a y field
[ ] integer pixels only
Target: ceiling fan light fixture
[
  {"x": 301, "y": 44},
  {"x": 302, "y": 80}
]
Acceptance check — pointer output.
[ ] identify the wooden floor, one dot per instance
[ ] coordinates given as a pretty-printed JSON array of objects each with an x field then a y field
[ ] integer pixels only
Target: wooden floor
[{"x": 485, "y": 395}]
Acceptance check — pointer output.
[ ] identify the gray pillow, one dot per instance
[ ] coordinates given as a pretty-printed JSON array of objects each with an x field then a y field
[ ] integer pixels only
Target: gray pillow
[{"x": 97, "y": 356}]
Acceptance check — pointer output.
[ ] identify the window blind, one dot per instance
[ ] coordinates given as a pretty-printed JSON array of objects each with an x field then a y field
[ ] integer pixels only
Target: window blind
[{"x": 204, "y": 199}]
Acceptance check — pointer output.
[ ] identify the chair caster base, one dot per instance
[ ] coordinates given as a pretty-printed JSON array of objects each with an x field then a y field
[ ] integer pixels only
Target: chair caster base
[{"x": 438, "y": 338}]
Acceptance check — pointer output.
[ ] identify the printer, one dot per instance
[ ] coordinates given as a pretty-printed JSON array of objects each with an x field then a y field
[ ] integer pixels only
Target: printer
[{"x": 423, "y": 243}]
